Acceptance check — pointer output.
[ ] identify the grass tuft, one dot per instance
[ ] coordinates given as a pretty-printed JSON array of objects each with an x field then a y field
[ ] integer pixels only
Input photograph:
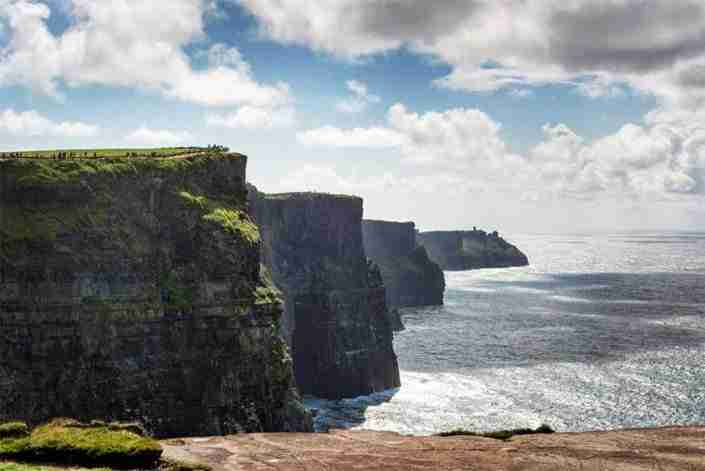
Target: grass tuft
[
  {"x": 178, "y": 465},
  {"x": 231, "y": 219},
  {"x": 499, "y": 434},
  {"x": 13, "y": 430},
  {"x": 67, "y": 441}
]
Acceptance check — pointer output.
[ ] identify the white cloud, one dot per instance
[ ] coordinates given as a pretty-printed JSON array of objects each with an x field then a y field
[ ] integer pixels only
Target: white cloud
[
  {"x": 663, "y": 159},
  {"x": 145, "y": 136},
  {"x": 128, "y": 43},
  {"x": 653, "y": 46},
  {"x": 249, "y": 117},
  {"x": 32, "y": 123},
  {"x": 371, "y": 138},
  {"x": 653, "y": 161},
  {"x": 359, "y": 100}
]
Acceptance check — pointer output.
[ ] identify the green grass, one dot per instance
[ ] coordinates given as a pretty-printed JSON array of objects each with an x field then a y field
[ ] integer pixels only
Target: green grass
[
  {"x": 306, "y": 195},
  {"x": 10, "y": 466},
  {"x": 13, "y": 430},
  {"x": 111, "y": 153},
  {"x": 69, "y": 442},
  {"x": 174, "y": 465},
  {"x": 499, "y": 434},
  {"x": 39, "y": 172},
  {"x": 231, "y": 219}
]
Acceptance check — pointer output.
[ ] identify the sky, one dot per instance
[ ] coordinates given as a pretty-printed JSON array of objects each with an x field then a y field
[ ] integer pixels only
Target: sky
[{"x": 516, "y": 115}]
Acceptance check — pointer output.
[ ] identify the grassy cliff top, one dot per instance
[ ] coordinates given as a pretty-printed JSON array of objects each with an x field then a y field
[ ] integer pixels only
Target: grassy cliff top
[
  {"x": 307, "y": 195},
  {"x": 40, "y": 168},
  {"x": 68, "y": 154}
]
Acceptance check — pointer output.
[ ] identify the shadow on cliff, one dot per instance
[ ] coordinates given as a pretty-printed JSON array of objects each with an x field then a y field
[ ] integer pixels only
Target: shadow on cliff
[{"x": 345, "y": 413}]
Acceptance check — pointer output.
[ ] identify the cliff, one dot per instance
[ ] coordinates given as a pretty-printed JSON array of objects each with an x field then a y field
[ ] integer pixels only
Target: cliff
[
  {"x": 130, "y": 289},
  {"x": 467, "y": 250},
  {"x": 335, "y": 315},
  {"x": 410, "y": 277}
]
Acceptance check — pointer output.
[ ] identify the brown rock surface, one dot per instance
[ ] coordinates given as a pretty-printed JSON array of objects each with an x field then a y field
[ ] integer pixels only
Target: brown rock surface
[{"x": 673, "y": 448}]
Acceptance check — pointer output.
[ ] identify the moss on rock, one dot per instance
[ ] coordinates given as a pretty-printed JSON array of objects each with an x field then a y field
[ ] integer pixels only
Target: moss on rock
[
  {"x": 68, "y": 441},
  {"x": 230, "y": 218}
]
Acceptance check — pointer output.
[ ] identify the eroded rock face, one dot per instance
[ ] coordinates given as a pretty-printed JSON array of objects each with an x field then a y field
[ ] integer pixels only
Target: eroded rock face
[
  {"x": 131, "y": 290},
  {"x": 467, "y": 250},
  {"x": 335, "y": 315},
  {"x": 410, "y": 277}
]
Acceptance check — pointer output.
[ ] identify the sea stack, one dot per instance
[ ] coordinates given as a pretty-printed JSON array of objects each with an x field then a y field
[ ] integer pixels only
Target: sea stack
[
  {"x": 130, "y": 289},
  {"x": 335, "y": 314},
  {"x": 468, "y": 250},
  {"x": 410, "y": 277}
]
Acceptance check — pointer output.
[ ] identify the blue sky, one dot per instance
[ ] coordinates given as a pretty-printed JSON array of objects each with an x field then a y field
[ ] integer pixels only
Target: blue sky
[{"x": 522, "y": 115}]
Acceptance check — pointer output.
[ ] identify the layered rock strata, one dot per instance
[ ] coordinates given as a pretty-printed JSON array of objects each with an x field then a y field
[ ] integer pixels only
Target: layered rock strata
[
  {"x": 130, "y": 289},
  {"x": 410, "y": 277},
  {"x": 335, "y": 315},
  {"x": 467, "y": 250}
]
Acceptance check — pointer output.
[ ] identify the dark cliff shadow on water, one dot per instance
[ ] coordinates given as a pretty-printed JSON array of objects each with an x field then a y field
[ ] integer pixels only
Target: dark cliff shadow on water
[{"x": 345, "y": 413}]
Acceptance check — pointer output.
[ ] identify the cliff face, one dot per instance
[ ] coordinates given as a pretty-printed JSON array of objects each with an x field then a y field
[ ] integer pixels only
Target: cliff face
[
  {"x": 131, "y": 290},
  {"x": 335, "y": 316},
  {"x": 467, "y": 250},
  {"x": 410, "y": 277}
]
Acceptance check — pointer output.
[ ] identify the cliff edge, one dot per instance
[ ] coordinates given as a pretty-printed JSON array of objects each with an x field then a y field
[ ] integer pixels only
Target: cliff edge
[
  {"x": 468, "y": 250},
  {"x": 130, "y": 289},
  {"x": 664, "y": 449},
  {"x": 410, "y": 277},
  {"x": 335, "y": 314}
]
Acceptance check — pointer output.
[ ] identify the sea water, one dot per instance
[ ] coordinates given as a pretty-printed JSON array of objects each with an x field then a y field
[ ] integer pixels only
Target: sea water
[{"x": 600, "y": 332}]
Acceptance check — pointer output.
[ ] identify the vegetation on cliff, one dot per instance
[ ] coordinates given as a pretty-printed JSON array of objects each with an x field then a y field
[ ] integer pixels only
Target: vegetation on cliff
[
  {"x": 499, "y": 434},
  {"x": 70, "y": 154},
  {"x": 230, "y": 218},
  {"x": 67, "y": 441}
]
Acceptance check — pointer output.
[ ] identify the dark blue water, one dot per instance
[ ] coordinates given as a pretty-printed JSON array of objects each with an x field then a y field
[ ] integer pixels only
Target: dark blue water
[{"x": 599, "y": 332}]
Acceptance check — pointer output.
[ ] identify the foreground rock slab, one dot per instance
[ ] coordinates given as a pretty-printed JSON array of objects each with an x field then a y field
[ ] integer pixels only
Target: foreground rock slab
[{"x": 674, "y": 448}]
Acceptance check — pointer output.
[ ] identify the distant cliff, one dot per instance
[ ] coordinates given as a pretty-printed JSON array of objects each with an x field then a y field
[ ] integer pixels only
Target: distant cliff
[
  {"x": 130, "y": 289},
  {"x": 410, "y": 277},
  {"x": 467, "y": 250},
  {"x": 335, "y": 317}
]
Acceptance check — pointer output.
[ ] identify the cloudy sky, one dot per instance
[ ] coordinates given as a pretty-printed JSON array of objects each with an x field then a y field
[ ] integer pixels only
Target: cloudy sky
[{"x": 522, "y": 115}]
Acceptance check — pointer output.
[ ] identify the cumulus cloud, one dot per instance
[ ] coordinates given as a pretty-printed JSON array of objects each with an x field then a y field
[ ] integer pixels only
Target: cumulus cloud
[
  {"x": 131, "y": 43},
  {"x": 145, "y": 136},
  {"x": 31, "y": 123},
  {"x": 249, "y": 117},
  {"x": 654, "y": 46},
  {"x": 359, "y": 100},
  {"x": 351, "y": 28},
  {"x": 663, "y": 158}
]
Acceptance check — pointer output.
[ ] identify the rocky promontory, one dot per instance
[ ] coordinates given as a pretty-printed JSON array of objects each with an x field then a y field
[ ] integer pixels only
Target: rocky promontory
[
  {"x": 335, "y": 314},
  {"x": 130, "y": 289},
  {"x": 410, "y": 277},
  {"x": 468, "y": 250}
]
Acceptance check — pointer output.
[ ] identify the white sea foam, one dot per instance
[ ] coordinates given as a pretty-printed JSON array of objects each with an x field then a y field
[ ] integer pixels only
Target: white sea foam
[
  {"x": 522, "y": 346},
  {"x": 570, "y": 299}
]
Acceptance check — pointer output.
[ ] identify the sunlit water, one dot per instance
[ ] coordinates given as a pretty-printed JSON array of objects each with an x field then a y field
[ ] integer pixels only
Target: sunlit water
[{"x": 599, "y": 332}]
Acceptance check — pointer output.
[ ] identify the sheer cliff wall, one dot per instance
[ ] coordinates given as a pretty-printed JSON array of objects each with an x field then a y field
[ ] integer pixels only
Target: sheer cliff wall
[
  {"x": 467, "y": 250},
  {"x": 130, "y": 289},
  {"x": 410, "y": 277},
  {"x": 335, "y": 317}
]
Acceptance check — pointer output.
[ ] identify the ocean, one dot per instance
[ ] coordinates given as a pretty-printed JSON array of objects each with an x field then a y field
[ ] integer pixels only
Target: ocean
[{"x": 600, "y": 332}]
